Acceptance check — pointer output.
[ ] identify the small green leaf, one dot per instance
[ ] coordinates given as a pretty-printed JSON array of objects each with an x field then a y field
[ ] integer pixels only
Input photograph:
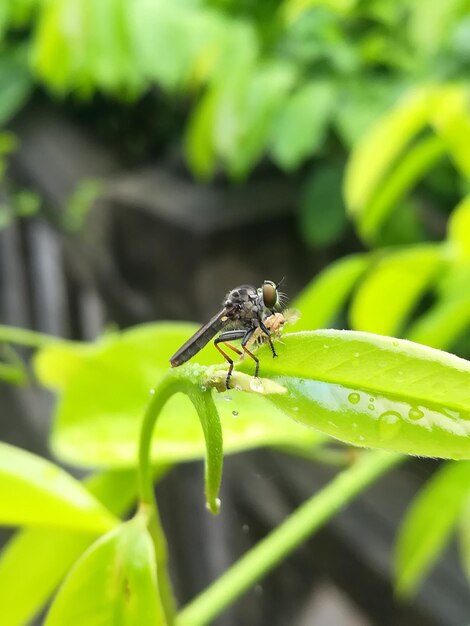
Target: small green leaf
[
  {"x": 15, "y": 84},
  {"x": 322, "y": 300},
  {"x": 302, "y": 124},
  {"x": 247, "y": 109},
  {"x": 459, "y": 229},
  {"x": 376, "y": 306},
  {"x": 464, "y": 536},
  {"x": 322, "y": 218},
  {"x": 442, "y": 325},
  {"x": 105, "y": 389},
  {"x": 35, "y": 491},
  {"x": 428, "y": 524},
  {"x": 374, "y": 391},
  {"x": 199, "y": 142},
  {"x": 114, "y": 580}
]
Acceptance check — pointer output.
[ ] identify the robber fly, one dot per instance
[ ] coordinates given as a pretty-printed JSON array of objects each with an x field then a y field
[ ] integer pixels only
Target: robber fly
[{"x": 245, "y": 311}]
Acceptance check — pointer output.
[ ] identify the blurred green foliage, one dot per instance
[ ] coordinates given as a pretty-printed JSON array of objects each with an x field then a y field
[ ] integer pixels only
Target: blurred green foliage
[{"x": 289, "y": 81}]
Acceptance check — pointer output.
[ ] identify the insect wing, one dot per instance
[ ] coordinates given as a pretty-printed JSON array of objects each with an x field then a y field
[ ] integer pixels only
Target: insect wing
[{"x": 200, "y": 338}]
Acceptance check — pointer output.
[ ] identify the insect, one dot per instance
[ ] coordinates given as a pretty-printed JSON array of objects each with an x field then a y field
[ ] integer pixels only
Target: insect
[{"x": 245, "y": 311}]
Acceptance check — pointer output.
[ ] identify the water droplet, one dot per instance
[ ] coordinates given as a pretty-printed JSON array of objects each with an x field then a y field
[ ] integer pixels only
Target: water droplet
[
  {"x": 415, "y": 413},
  {"x": 389, "y": 424},
  {"x": 371, "y": 407},
  {"x": 354, "y": 425},
  {"x": 217, "y": 504},
  {"x": 152, "y": 392},
  {"x": 356, "y": 355},
  {"x": 234, "y": 413},
  {"x": 295, "y": 408},
  {"x": 354, "y": 398},
  {"x": 228, "y": 398},
  {"x": 246, "y": 528},
  {"x": 326, "y": 346},
  {"x": 361, "y": 438},
  {"x": 371, "y": 399},
  {"x": 256, "y": 384}
]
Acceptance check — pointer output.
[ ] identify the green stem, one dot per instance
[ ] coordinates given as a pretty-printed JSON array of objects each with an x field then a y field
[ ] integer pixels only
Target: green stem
[
  {"x": 177, "y": 382},
  {"x": 308, "y": 518},
  {"x": 322, "y": 453},
  {"x": 24, "y": 337}
]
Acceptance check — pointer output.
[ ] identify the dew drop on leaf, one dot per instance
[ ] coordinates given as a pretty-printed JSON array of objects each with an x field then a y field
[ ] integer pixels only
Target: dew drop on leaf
[
  {"x": 354, "y": 398},
  {"x": 389, "y": 424},
  {"x": 415, "y": 413}
]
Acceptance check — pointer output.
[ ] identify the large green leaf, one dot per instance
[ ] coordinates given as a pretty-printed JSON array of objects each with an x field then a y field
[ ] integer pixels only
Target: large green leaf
[
  {"x": 105, "y": 389},
  {"x": 322, "y": 300},
  {"x": 379, "y": 150},
  {"x": 374, "y": 391},
  {"x": 34, "y": 491},
  {"x": 428, "y": 524},
  {"x": 386, "y": 297},
  {"x": 417, "y": 162},
  {"x": 450, "y": 117},
  {"x": 115, "y": 582},
  {"x": 35, "y": 560}
]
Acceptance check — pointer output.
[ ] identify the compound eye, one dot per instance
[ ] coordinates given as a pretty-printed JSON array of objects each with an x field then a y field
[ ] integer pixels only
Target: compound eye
[{"x": 269, "y": 294}]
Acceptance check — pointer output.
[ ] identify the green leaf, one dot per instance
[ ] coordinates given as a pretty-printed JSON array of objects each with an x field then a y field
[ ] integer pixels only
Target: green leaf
[
  {"x": 459, "y": 229},
  {"x": 386, "y": 297},
  {"x": 374, "y": 391},
  {"x": 379, "y": 150},
  {"x": 44, "y": 556},
  {"x": 464, "y": 536},
  {"x": 322, "y": 218},
  {"x": 450, "y": 117},
  {"x": 301, "y": 126},
  {"x": 323, "y": 299},
  {"x": 199, "y": 142},
  {"x": 443, "y": 324},
  {"x": 15, "y": 84},
  {"x": 114, "y": 580},
  {"x": 428, "y": 524},
  {"x": 247, "y": 109},
  {"x": 35, "y": 491},
  {"x": 105, "y": 389},
  {"x": 418, "y": 160}
]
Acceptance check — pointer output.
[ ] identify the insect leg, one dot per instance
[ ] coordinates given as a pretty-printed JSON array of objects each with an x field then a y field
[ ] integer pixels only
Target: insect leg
[
  {"x": 246, "y": 339},
  {"x": 267, "y": 332},
  {"x": 230, "y": 335}
]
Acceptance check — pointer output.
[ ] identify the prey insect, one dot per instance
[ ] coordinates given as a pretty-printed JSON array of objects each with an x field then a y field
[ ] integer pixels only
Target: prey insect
[{"x": 245, "y": 311}]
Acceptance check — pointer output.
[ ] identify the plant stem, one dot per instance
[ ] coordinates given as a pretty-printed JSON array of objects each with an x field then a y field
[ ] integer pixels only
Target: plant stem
[
  {"x": 308, "y": 518},
  {"x": 175, "y": 382},
  {"x": 25, "y": 337}
]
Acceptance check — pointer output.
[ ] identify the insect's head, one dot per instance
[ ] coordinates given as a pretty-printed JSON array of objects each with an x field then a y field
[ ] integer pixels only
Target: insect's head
[{"x": 270, "y": 294}]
